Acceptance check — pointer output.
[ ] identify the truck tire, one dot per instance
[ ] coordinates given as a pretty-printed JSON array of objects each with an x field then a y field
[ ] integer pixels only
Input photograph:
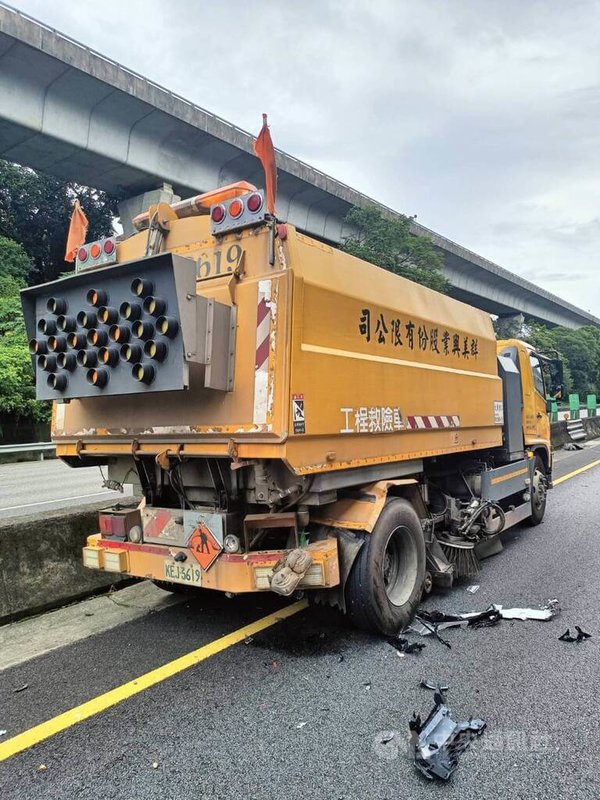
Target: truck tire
[
  {"x": 539, "y": 493},
  {"x": 386, "y": 581}
]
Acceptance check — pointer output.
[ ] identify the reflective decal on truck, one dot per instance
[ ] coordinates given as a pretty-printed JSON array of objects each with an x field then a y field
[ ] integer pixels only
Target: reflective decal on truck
[{"x": 385, "y": 419}]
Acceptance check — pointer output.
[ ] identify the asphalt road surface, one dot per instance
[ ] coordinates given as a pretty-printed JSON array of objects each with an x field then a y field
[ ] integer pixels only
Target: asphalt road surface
[
  {"x": 300, "y": 709},
  {"x": 31, "y": 487}
]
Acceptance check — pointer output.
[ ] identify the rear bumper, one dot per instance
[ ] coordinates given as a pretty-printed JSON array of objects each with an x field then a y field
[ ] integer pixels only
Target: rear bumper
[{"x": 234, "y": 573}]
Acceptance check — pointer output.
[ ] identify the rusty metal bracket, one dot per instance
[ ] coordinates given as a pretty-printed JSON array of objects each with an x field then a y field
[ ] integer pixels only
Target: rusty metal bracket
[{"x": 259, "y": 521}]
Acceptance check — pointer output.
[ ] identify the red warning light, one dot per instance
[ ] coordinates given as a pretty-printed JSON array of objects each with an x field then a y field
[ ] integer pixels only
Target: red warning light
[
  {"x": 217, "y": 214},
  {"x": 254, "y": 203}
]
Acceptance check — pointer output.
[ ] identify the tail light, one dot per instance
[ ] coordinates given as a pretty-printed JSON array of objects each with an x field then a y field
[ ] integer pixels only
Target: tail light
[
  {"x": 95, "y": 250},
  {"x": 82, "y": 255},
  {"x": 109, "y": 246}
]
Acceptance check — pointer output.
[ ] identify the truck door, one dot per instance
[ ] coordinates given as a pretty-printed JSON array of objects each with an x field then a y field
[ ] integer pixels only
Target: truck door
[{"x": 537, "y": 421}]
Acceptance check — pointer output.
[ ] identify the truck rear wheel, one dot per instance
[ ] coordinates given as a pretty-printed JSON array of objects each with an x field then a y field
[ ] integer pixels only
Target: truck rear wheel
[
  {"x": 538, "y": 493},
  {"x": 386, "y": 582}
]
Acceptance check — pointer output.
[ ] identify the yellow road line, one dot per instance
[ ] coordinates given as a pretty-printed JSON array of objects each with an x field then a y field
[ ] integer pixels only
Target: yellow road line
[
  {"x": 575, "y": 472},
  {"x": 45, "y": 730}
]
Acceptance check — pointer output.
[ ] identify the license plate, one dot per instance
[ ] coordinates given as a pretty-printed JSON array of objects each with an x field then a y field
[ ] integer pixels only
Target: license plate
[{"x": 182, "y": 573}]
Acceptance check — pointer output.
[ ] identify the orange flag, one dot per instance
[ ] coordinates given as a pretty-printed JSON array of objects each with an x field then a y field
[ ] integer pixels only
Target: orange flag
[
  {"x": 263, "y": 147},
  {"x": 77, "y": 232}
]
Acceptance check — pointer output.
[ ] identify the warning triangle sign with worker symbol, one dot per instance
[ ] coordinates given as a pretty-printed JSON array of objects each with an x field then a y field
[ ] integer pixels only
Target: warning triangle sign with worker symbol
[{"x": 204, "y": 545}]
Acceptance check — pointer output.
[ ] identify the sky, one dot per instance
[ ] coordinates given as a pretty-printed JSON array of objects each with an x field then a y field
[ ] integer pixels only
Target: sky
[{"x": 482, "y": 117}]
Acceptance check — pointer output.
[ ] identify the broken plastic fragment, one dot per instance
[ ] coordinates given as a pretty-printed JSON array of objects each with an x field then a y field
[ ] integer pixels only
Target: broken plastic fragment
[
  {"x": 435, "y": 687},
  {"x": 581, "y": 635},
  {"x": 431, "y": 622},
  {"x": 473, "y": 588},
  {"x": 403, "y": 646},
  {"x": 439, "y": 741}
]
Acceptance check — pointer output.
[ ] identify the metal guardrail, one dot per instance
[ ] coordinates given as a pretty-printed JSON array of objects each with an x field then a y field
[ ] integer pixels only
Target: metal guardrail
[{"x": 28, "y": 447}]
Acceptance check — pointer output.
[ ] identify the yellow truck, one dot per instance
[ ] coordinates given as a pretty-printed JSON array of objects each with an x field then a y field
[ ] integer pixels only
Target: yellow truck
[{"x": 292, "y": 418}]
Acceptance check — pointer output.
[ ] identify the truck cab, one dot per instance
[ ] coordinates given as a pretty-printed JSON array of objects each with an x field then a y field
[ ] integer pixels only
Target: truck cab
[{"x": 535, "y": 419}]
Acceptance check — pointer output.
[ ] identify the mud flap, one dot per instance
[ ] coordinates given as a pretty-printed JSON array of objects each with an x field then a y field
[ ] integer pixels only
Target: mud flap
[{"x": 349, "y": 545}]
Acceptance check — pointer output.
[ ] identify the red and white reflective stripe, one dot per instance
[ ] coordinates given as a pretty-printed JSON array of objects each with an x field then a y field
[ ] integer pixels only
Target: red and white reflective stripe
[
  {"x": 263, "y": 347},
  {"x": 263, "y": 324},
  {"x": 426, "y": 423}
]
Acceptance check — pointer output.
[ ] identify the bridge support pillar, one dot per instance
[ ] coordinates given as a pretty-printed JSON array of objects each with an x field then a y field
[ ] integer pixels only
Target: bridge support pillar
[
  {"x": 508, "y": 326},
  {"x": 132, "y": 206}
]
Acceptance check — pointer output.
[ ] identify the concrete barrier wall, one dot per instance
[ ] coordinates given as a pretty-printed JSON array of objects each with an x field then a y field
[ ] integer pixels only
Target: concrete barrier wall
[
  {"x": 560, "y": 435},
  {"x": 40, "y": 561}
]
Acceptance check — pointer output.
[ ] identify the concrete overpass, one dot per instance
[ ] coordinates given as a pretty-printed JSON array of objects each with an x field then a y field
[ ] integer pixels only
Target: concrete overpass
[{"x": 73, "y": 113}]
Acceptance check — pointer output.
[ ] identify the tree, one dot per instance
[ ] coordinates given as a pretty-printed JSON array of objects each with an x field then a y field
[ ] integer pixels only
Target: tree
[
  {"x": 35, "y": 211},
  {"x": 389, "y": 243},
  {"x": 581, "y": 348},
  {"x": 17, "y": 389},
  {"x": 578, "y": 349}
]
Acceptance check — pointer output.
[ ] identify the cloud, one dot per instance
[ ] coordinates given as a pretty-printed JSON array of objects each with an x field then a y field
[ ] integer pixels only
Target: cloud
[{"x": 481, "y": 118}]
